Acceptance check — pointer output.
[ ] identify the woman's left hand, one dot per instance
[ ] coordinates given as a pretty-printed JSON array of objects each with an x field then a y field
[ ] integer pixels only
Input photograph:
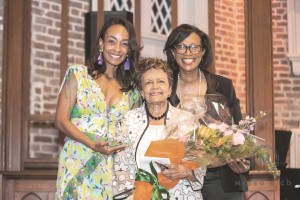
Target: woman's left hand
[
  {"x": 239, "y": 165},
  {"x": 176, "y": 171}
]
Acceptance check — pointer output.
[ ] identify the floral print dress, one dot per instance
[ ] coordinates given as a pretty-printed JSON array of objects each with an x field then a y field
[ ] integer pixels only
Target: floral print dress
[{"x": 83, "y": 173}]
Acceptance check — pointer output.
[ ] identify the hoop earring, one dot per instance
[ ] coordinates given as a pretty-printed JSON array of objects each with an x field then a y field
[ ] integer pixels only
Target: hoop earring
[
  {"x": 100, "y": 58},
  {"x": 127, "y": 64}
]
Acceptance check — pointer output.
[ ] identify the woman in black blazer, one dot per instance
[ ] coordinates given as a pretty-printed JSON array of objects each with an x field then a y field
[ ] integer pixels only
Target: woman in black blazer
[{"x": 189, "y": 54}]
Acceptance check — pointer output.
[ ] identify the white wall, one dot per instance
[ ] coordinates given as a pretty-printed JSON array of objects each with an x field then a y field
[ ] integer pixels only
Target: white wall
[{"x": 194, "y": 12}]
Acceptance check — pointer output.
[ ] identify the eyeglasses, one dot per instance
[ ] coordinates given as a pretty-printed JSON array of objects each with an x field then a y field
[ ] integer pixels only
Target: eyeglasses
[{"x": 194, "y": 49}]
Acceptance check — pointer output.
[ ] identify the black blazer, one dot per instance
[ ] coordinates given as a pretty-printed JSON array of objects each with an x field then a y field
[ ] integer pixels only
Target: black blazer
[{"x": 217, "y": 84}]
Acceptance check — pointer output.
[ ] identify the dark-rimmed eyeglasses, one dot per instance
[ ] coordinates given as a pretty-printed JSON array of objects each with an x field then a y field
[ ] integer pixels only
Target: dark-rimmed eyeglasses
[{"x": 194, "y": 49}]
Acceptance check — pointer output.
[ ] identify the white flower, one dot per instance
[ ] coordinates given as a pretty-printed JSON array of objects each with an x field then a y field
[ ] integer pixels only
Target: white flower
[
  {"x": 213, "y": 126},
  {"x": 131, "y": 162},
  {"x": 114, "y": 183},
  {"x": 178, "y": 195},
  {"x": 121, "y": 167},
  {"x": 121, "y": 187},
  {"x": 238, "y": 139},
  {"x": 132, "y": 173},
  {"x": 128, "y": 185},
  {"x": 122, "y": 177},
  {"x": 117, "y": 158},
  {"x": 131, "y": 176},
  {"x": 128, "y": 154},
  {"x": 185, "y": 189},
  {"x": 191, "y": 198}
]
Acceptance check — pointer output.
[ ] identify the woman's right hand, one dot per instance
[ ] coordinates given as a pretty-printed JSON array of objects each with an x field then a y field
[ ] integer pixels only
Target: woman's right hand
[
  {"x": 105, "y": 148},
  {"x": 176, "y": 171}
]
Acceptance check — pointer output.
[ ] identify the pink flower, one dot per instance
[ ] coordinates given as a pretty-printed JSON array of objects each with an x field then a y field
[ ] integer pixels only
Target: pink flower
[
  {"x": 223, "y": 127},
  {"x": 238, "y": 139},
  {"x": 228, "y": 132}
]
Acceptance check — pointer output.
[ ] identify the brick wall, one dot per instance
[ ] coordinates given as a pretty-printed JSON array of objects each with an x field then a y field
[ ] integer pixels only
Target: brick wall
[
  {"x": 286, "y": 84},
  {"x": 230, "y": 58},
  {"x": 230, "y": 61},
  {"x": 230, "y": 44},
  {"x": 45, "y": 56},
  {"x": 45, "y": 66},
  {"x": 77, "y": 9}
]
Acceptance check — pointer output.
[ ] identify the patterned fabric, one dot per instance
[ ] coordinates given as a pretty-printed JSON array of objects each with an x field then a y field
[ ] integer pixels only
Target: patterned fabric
[
  {"x": 125, "y": 162},
  {"x": 83, "y": 173}
]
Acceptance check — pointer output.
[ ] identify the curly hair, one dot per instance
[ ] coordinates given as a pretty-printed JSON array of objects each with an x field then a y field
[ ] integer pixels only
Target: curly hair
[
  {"x": 152, "y": 63},
  {"x": 124, "y": 77},
  {"x": 180, "y": 33}
]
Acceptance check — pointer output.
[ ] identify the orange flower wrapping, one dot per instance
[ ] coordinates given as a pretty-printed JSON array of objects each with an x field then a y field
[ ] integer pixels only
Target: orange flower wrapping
[
  {"x": 143, "y": 190},
  {"x": 167, "y": 148},
  {"x": 174, "y": 150}
]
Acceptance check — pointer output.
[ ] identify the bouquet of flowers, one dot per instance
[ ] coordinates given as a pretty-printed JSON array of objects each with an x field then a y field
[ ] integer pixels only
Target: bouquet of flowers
[
  {"x": 208, "y": 140},
  {"x": 218, "y": 139}
]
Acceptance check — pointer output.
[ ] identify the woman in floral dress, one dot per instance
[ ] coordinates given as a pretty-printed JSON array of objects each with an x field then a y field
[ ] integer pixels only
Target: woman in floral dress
[{"x": 91, "y": 103}]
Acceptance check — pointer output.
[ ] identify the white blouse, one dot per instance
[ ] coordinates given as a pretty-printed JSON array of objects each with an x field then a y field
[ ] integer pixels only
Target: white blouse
[{"x": 153, "y": 133}]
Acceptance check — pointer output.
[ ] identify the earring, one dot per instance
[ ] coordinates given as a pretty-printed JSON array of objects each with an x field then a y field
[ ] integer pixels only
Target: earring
[
  {"x": 127, "y": 64},
  {"x": 100, "y": 58}
]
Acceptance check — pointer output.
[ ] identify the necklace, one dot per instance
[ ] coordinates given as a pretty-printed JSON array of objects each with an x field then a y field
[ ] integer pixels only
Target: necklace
[
  {"x": 156, "y": 118},
  {"x": 199, "y": 85}
]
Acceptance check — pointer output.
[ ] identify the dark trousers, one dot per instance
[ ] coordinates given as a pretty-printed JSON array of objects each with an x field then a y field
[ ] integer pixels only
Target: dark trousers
[{"x": 213, "y": 190}]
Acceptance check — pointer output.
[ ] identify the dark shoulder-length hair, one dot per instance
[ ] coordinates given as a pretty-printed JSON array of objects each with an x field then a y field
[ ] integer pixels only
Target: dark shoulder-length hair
[
  {"x": 180, "y": 33},
  {"x": 152, "y": 63},
  {"x": 124, "y": 77}
]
